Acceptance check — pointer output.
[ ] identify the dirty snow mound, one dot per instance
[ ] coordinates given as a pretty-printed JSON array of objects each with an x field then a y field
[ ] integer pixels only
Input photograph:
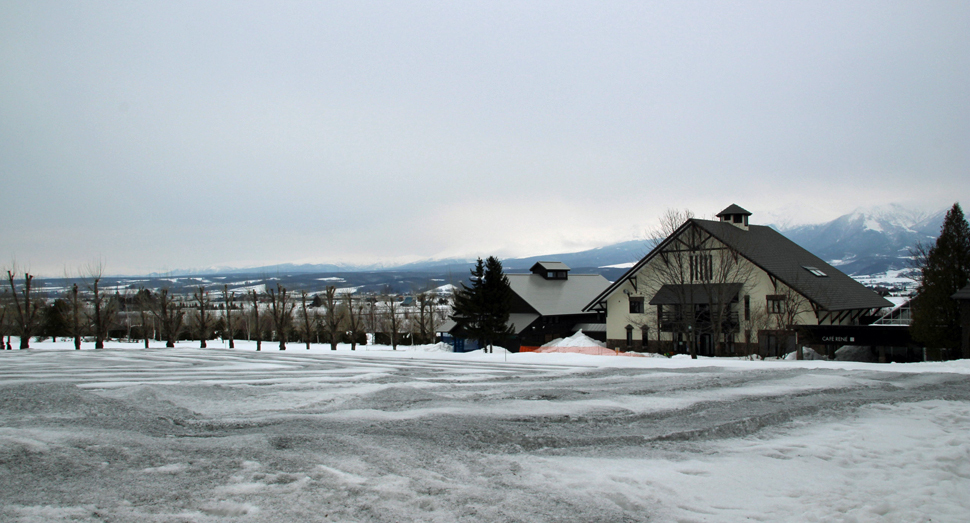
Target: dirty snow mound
[
  {"x": 856, "y": 353},
  {"x": 578, "y": 343},
  {"x": 576, "y": 340},
  {"x": 807, "y": 354}
]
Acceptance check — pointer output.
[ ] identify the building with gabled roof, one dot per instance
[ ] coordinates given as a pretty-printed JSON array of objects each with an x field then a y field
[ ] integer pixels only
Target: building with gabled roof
[
  {"x": 549, "y": 301},
  {"x": 725, "y": 287},
  {"x": 547, "y": 304}
]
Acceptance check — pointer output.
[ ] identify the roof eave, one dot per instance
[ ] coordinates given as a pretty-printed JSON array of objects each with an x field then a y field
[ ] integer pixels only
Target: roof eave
[{"x": 603, "y": 296}]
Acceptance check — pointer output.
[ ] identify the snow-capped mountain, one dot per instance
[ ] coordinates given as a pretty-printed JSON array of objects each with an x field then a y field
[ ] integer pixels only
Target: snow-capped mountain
[{"x": 869, "y": 240}]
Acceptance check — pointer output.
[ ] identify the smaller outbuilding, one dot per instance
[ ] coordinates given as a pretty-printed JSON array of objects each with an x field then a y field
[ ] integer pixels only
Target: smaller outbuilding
[
  {"x": 549, "y": 301},
  {"x": 547, "y": 304}
]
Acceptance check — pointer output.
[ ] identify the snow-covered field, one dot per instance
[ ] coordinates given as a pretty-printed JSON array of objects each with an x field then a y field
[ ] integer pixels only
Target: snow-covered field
[{"x": 192, "y": 435}]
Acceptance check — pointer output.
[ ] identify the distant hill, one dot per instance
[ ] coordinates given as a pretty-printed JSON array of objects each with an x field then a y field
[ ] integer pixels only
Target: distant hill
[{"x": 864, "y": 242}]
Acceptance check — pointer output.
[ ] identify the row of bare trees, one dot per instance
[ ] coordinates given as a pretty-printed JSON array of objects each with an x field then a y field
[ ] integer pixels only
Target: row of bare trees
[
  {"x": 87, "y": 311},
  {"x": 347, "y": 317},
  {"x": 22, "y": 313}
]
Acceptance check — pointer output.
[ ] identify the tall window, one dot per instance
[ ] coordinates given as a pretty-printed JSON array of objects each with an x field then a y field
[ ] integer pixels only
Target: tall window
[
  {"x": 776, "y": 303},
  {"x": 636, "y": 305},
  {"x": 701, "y": 267},
  {"x": 747, "y": 308}
]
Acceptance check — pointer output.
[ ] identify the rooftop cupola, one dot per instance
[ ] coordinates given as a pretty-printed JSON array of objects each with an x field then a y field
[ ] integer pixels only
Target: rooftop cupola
[
  {"x": 735, "y": 215},
  {"x": 551, "y": 270}
]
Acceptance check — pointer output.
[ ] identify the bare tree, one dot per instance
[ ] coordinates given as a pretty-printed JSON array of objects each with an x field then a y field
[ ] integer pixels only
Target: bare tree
[
  {"x": 334, "y": 317},
  {"x": 144, "y": 300},
  {"x": 672, "y": 269},
  {"x": 25, "y": 309},
  {"x": 355, "y": 317},
  {"x": 427, "y": 320},
  {"x": 754, "y": 319},
  {"x": 372, "y": 318},
  {"x": 258, "y": 327},
  {"x": 76, "y": 312},
  {"x": 3, "y": 320},
  {"x": 103, "y": 311},
  {"x": 282, "y": 313},
  {"x": 203, "y": 318},
  {"x": 123, "y": 299},
  {"x": 784, "y": 308},
  {"x": 392, "y": 320},
  {"x": 170, "y": 316},
  {"x": 308, "y": 322},
  {"x": 728, "y": 274},
  {"x": 230, "y": 299}
]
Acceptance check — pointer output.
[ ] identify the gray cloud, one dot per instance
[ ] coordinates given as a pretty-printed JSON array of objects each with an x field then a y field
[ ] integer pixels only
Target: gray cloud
[{"x": 167, "y": 135}]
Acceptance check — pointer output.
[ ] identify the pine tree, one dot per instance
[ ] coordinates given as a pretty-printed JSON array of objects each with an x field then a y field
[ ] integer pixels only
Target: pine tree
[
  {"x": 481, "y": 311},
  {"x": 498, "y": 297},
  {"x": 944, "y": 269},
  {"x": 469, "y": 305}
]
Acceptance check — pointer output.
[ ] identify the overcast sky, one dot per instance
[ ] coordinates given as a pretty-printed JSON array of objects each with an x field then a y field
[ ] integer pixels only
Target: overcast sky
[{"x": 169, "y": 135}]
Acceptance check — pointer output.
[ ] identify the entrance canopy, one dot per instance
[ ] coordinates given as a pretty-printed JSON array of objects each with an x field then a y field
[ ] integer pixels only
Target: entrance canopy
[{"x": 696, "y": 293}]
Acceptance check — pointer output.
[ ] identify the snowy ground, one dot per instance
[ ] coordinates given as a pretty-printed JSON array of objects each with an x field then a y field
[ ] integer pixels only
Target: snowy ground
[{"x": 190, "y": 435}]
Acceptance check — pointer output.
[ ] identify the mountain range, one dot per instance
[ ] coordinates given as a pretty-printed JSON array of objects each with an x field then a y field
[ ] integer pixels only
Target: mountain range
[
  {"x": 865, "y": 244},
  {"x": 867, "y": 241}
]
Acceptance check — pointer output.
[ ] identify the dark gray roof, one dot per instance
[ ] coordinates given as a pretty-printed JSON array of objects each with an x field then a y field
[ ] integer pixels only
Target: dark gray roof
[
  {"x": 589, "y": 327},
  {"x": 557, "y": 297},
  {"x": 733, "y": 209},
  {"x": 519, "y": 321},
  {"x": 447, "y": 325},
  {"x": 962, "y": 294},
  {"x": 782, "y": 259},
  {"x": 787, "y": 261},
  {"x": 551, "y": 266},
  {"x": 696, "y": 293}
]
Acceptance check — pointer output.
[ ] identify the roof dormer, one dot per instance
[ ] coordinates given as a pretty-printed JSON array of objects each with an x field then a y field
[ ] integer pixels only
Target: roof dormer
[
  {"x": 551, "y": 270},
  {"x": 736, "y": 216}
]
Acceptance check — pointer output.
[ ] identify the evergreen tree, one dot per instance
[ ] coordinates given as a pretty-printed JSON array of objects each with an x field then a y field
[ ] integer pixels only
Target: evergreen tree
[
  {"x": 944, "y": 269},
  {"x": 498, "y": 298},
  {"x": 481, "y": 311},
  {"x": 56, "y": 316},
  {"x": 469, "y": 305}
]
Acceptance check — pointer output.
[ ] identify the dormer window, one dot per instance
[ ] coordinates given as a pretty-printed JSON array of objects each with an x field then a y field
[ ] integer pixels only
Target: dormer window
[{"x": 551, "y": 270}]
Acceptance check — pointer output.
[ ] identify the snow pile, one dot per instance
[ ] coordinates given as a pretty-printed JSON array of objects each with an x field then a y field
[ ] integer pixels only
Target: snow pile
[
  {"x": 495, "y": 350},
  {"x": 856, "y": 353},
  {"x": 578, "y": 343},
  {"x": 807, "y": 354},
  {"x": 437, "y": 347},
  {"x": 576, "y": 340}
]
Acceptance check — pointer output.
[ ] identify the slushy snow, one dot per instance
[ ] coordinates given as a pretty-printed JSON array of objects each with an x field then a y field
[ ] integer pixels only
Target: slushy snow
[{"x": 206, "y": 435}]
